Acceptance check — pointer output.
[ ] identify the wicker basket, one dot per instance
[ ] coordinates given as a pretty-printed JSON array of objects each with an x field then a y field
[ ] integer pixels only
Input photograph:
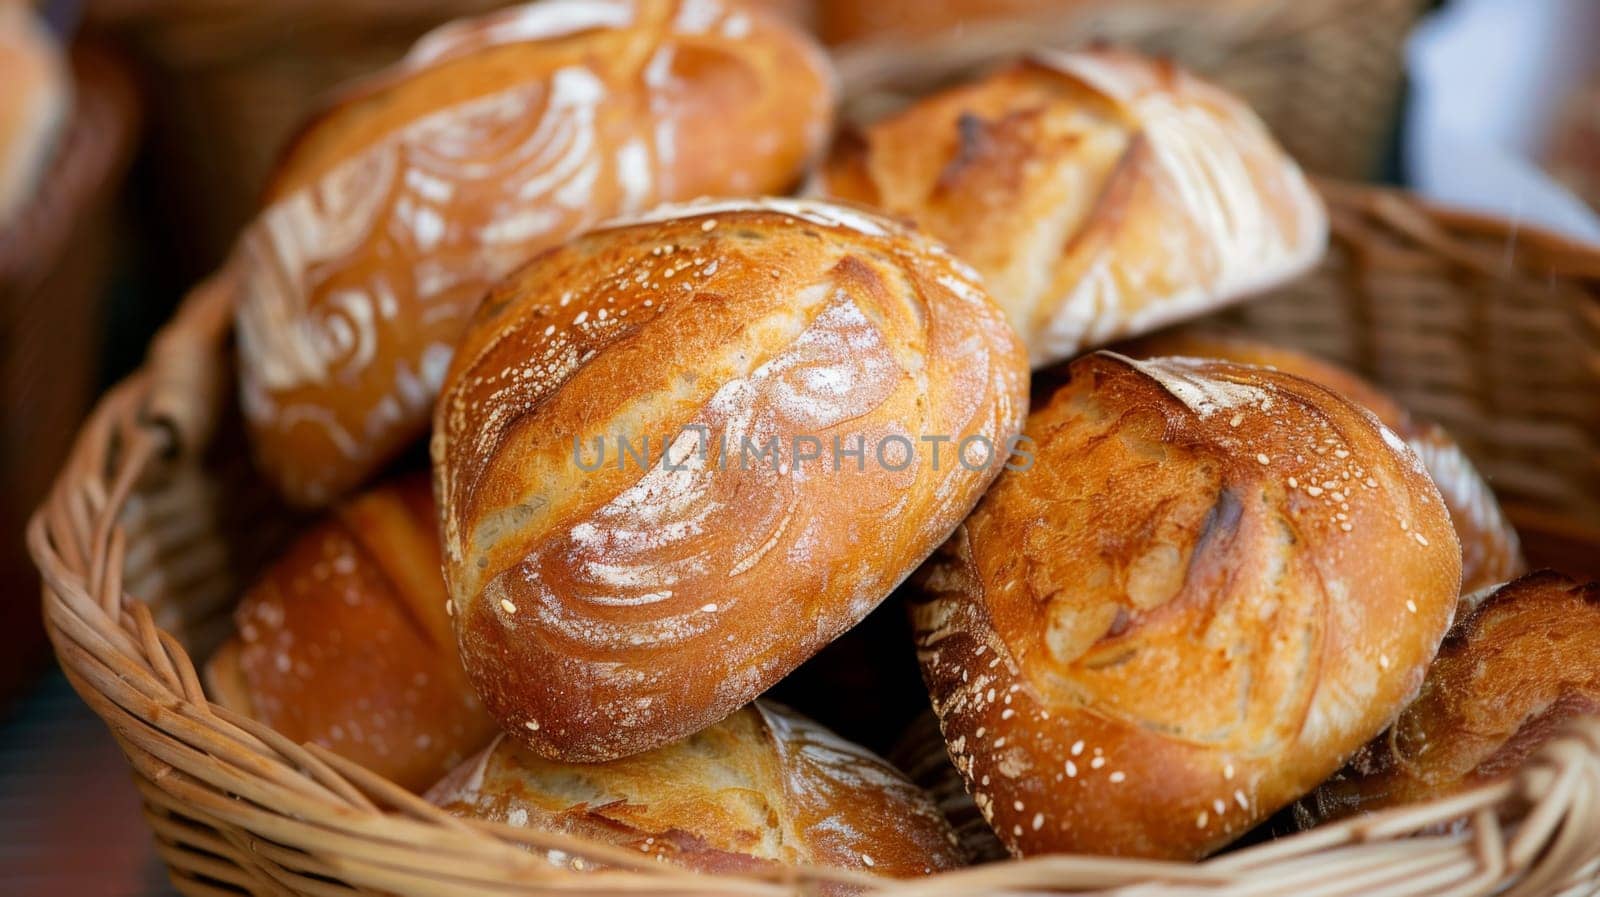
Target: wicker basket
[
  {"x": 1493, "y": 330},
  {"x": 1325, "y": 75},
  {"x": 54, "y": 261}
]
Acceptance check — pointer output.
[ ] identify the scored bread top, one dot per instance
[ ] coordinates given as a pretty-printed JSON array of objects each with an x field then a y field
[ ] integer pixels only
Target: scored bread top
[
  {"x": 1491, "y": 552},
  {"x": 1101, "y": 194},
  {"x": 765, "y": 785},
  {"x": 1213, "y": 584},
  {"x": 604, "y": 611},
  {"x": 399, "y": 205}
]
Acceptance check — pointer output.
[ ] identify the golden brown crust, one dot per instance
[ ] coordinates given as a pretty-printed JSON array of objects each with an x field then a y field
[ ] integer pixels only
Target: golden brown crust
[
  {"x": 1491, "y": 552},
  {"x": 398, "y": 207},
  {"x": 763, "y": 786},
  {"x": 1506, "y": 680},
  {"x": 1214, "y": 583},
  {"x": 1100, "y": 194},
  {"x": 345, "y": 642},
  {"x": 605, "y": 612}
]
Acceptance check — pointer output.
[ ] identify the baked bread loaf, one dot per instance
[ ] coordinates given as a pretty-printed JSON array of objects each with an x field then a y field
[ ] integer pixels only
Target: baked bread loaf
[
  {"x": 394, "y": 211},
  {"x": 1214, "y": 584},
  {"x": 607, "y": 602},
  {"x": 1505, "y": 682},
  {"x": 34, "y": 105},
  {"x": 344, "y": 642},
  {"x": 1102, "y": 195},
  {"x": 764, "y": 786},
  {"x": 1491, "y": 553}
]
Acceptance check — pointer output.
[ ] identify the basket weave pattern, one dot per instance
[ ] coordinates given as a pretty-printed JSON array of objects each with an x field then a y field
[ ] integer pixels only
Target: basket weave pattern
[{"x": 152, "y": 525}]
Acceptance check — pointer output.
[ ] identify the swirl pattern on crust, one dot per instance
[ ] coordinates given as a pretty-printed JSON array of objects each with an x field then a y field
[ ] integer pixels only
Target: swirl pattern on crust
[
  {"x": 1102, "y": 195},
  {"x": 766, "y": 785},
  {"x": 395, "y": 210},
  {"x": 602, "y": 612},
  {"x": 1214, "y": 583}
]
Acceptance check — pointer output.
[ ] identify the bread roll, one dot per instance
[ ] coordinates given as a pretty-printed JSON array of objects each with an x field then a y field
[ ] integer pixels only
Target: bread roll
[
  {"x": 1491, "y": 553},
  {"x": 1214, "y": 583},
  {"x": 344, "y": 642},
  {"x": 1505, "y": 682},
  {"x": 34, "y": 105},
  {"x": 395, "y": 210},
  {"x": 603, "y": 612},
  {"x": 763, "y": 786},
  {"x": 921, "y": 753},
  {"x": 1101, "y": 195}
]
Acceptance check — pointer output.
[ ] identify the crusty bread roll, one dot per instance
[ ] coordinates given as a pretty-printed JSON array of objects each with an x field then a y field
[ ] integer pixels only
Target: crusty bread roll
[
  {"x": 1102, "y": 195},
  {"x": 1491, "y": 553},
  {"x": 1506, "y": 680},
  {"x": 395, "y": 210},
  {"x": 344, "y": 641},
  {"x": 1214, "y": 583},
  {"x": 35, "y": 99},
  {"x": 605, "y": 612},
  {"x": 766, "y": 785}
]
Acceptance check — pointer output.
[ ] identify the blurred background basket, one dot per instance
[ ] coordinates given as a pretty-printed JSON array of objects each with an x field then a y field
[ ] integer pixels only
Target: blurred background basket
[
  {"x": 235, "y": 78},
  {"x": 54, "y": 263},
  {"x": 154, "y": 522},
  {"x": 1325, "y": 75}
]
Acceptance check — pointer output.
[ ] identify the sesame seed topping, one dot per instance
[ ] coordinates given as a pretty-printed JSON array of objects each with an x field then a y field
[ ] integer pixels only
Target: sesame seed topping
[
  {"x": 1236, "y": 421},
  {"x": 1383, "y": 661},
  {"x": 1346, "y": 527},
  {"x": 1227, "y": 772},
  {"x": 1313, "y": 491},
  {"x": 1072, "y": 770},
  {"x": 709, "y": 225},
  {"x": 1371, "y": 483},
  {"x": 1000, "y": 742},
  {"x": 981, "y": 730},
  {"x": 1421, "y": 539},
  {"x": 1007, "y": 713},
  {"x": 708, "y": 608},
  {"x": 1038, "y": 821},
  {"x": 1202, "y": 820},
  {"x": 1294, "y": 483},
  {"x": 1017, "y": 805},
  {"x": 1097, "y": 762},
  {"x": 1261, "y": 458},
  {"x": 532, "y": 725},
  {"x": 1117, "y": 777},
  {"x": 449, "y": 607},
  {"x": 550, "y": 330},
  {"x": 1411, "y": 605},
  {"x": 1077, "y": 747},
  {"x": 1341, "y": 454},
  {"x": 865, "y": 858},
  {"x": 1016, "y": 831},
  {"x": 1404, "y": 526},
  {"x": 582, "y": 316},
  {"x": 1220, "y": 806},
  {"x": 507, "y": 606},
  {"x": 1240, "y": 799}
]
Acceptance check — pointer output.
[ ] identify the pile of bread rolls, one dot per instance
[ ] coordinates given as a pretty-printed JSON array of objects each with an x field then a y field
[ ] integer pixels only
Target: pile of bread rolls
[{"x": 686, "y": 430}]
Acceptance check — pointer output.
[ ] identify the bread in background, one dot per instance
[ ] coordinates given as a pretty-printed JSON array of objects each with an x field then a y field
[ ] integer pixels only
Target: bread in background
[
  {"x": 1101, "y": 194},
  {"x": 1214, "y": 584},
  {"x": 1491, "y": 552},
  {"x": 1506, "y": 681},
  {"x": 764, "y": 786},
  {"x": 344, "y": 642},
  {"x": 605, "y": 612},
  {"x": 35, "y": 103},
  {"x": 398, "y": 206}
]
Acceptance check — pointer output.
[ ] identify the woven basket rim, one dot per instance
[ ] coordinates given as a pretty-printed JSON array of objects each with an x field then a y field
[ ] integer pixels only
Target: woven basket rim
[{"x": 304, "y": 808}]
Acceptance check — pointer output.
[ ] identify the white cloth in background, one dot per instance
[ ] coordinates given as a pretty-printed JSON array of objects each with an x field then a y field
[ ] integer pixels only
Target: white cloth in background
[{"x": 1489, "y": 77}]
